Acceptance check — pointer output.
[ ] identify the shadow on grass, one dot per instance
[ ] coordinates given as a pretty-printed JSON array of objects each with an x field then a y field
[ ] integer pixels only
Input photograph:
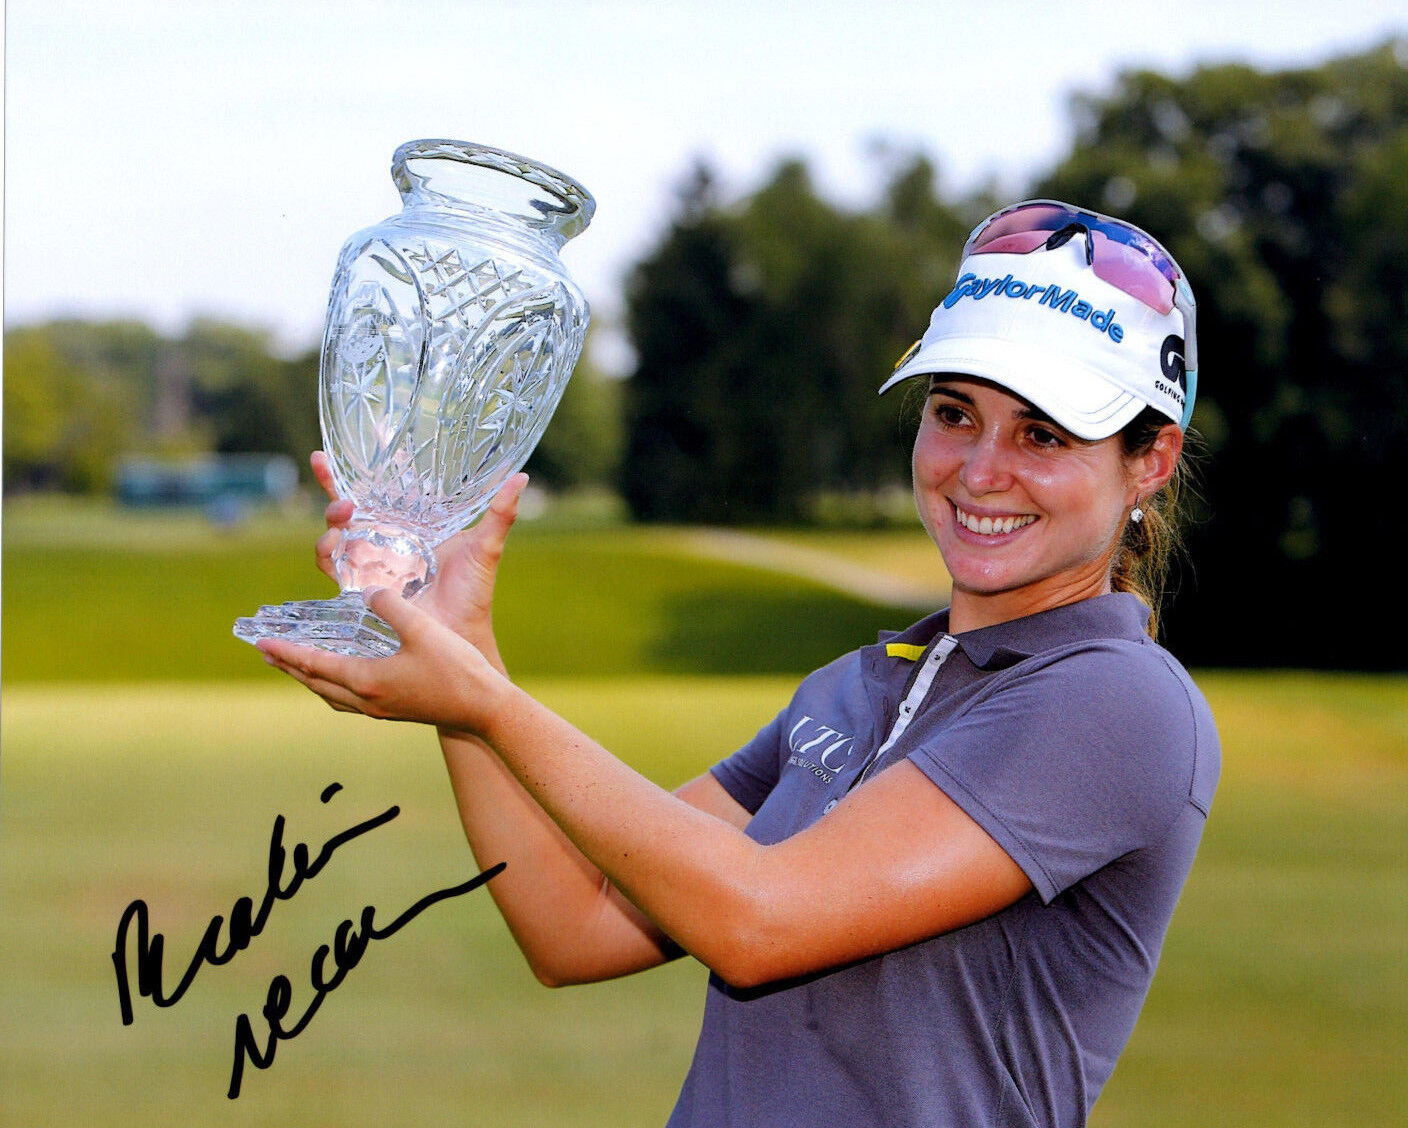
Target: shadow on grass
[
  {"x": 728, "y": 631},
  {"x": 595, "y": 604}
]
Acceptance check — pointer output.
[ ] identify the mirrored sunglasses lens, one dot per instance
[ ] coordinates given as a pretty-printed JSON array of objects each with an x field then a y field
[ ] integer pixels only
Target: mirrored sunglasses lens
[
  {"x": 1124, "y": 257},
  {"x": 1135, "y": 273},
  {"x": 1032, "y": 219},
  {"x": 1132, "y": 271},
  {"x": 1126, "y": 236},
  {"x": 1014, "y": 243}
]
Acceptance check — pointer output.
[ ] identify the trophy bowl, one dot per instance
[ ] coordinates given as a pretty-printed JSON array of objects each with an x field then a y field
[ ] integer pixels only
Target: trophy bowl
[{"x": 452, "y": 329}]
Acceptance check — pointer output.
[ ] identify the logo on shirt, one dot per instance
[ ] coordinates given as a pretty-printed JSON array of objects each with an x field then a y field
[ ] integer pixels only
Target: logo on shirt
[{"x": 818, "y": 748}]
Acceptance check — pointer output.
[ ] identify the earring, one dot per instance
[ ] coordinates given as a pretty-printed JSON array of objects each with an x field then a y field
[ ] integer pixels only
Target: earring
[{"x": 1136, "y": 514}]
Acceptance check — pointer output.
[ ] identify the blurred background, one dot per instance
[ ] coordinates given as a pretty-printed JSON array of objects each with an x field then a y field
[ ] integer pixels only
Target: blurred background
[{"x": 721, "y": 502}]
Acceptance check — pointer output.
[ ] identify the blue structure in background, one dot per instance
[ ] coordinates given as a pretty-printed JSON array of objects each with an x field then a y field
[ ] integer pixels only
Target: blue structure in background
[{"x": 224, "y": 484}]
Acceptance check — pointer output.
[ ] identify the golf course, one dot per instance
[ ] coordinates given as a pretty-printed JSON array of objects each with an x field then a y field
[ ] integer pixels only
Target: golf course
[{"x": 150, "y": 756}]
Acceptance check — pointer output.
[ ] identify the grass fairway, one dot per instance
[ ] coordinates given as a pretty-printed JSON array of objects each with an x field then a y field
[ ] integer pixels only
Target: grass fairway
[
  {"x": 1282, "y": 996},
  {"x": 95, "y": 595},
  {"x": 1281, "y": 1000},
  {"x": 146, "y": 754},
  {"x": 168, "y": 793}
]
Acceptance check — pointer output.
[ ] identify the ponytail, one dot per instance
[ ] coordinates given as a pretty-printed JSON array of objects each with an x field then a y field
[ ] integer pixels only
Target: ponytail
[{"x": 1148, "y": 547}]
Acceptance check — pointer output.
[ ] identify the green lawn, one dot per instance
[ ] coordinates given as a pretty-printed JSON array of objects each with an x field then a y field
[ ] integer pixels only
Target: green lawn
[
  {"x": 168, "y": 793},
  {"x": 90, "y": 594},
  {"x": 1281, "y": 999}
]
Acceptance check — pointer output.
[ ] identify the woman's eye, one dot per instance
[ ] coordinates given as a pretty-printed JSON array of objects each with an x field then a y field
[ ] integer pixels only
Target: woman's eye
[
  {"x": 1045, "y": 437},
  {"x": 949, "y": 415}
]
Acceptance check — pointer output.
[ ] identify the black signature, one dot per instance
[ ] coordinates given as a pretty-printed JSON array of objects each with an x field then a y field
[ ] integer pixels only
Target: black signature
[
  {"x": 245, "y": 922},
  {"x": 348, "y": 946}
]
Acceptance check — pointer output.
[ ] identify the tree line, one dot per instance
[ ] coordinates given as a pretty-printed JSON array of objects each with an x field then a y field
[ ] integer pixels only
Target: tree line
[
  {"x": 82, "y": 395},
  {"x": 762, "y": 325}
]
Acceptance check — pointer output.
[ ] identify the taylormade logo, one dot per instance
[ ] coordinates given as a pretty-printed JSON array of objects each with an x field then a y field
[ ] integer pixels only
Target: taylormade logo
[{"x": 1052, "y": 296}]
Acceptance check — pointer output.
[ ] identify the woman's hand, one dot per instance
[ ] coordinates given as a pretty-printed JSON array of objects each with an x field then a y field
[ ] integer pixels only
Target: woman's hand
[
  {"x": 436, "y": 677},
  {"x": 337, "y": 514},
  {"x": 462, "y": 595}
]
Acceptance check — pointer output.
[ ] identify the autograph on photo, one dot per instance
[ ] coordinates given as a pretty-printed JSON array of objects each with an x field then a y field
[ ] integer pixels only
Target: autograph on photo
[{"x": 246, "y": 921}]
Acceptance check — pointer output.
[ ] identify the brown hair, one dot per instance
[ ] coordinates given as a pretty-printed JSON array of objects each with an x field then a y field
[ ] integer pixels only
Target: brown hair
[{"x": 1148, "y": 548}]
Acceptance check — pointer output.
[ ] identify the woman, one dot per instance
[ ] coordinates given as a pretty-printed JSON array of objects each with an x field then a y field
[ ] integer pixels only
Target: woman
[{"x": 933, "y": 890}]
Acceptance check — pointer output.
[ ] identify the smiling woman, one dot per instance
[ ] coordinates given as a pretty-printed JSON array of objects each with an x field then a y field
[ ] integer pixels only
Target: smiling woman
[
  {"x": 933, "y": 890},
  {"x": 1026, "y": 515}
]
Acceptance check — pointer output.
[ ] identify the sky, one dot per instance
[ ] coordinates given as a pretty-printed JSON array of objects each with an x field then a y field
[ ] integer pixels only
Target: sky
[{"x": 166, "y": 159}]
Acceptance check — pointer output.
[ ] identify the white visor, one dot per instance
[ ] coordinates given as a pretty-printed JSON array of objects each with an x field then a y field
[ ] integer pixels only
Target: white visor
[{"x": 1043, "y": 326}]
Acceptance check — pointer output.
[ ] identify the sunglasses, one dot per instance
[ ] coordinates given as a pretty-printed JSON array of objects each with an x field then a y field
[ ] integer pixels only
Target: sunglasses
[{"x": 1121, "y": 254}]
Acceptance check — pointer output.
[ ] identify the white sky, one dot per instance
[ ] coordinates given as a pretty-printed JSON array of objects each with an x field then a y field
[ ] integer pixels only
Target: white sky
[{"x": 171, "y": 158}]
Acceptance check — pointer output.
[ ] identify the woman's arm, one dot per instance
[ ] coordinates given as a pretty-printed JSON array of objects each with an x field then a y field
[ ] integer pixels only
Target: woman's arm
[
  {"x": 572, "y": 925},
  {"x": 895, "y": 862},
  {"x": 570, "y": 922}
]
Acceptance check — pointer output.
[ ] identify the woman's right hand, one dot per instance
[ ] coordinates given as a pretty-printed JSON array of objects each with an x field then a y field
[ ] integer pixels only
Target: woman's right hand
[{"x": 462, "y": 595}]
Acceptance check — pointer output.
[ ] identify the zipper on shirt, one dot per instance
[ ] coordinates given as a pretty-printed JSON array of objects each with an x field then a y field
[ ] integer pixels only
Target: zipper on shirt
[{"x": 918, "y": 690}]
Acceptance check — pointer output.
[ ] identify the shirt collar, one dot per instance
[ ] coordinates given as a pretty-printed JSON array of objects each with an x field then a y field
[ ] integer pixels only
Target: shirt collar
[{"x": 1117, "y": 615}]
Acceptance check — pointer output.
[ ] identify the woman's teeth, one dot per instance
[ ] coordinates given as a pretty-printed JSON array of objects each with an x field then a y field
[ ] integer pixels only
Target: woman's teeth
[{"x": 993, "y": 526}]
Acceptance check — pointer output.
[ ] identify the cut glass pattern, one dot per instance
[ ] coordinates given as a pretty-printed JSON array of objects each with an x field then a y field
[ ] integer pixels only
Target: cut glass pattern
[{"x": 452, "y": 330}]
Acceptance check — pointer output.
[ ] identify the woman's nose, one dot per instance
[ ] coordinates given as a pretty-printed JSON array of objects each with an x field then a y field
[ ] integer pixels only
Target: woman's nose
[{"x": 988, "y": 466}]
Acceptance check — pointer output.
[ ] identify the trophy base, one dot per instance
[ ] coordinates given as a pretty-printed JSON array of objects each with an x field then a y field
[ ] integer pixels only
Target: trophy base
[{"x": 343, "y": 625}]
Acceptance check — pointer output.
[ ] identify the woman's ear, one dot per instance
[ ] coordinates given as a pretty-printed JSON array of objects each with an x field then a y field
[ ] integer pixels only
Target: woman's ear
[{"x": 1151, "y": 470}]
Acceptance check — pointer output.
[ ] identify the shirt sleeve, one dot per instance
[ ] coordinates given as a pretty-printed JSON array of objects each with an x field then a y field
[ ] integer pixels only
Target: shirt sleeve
[
  {"x": 750, "y": 774},
  {"x": 1070, "y": 761}
]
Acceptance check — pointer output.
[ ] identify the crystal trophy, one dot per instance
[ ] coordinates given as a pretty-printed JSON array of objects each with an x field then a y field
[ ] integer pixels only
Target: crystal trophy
[{"x": 452, "y": 329}]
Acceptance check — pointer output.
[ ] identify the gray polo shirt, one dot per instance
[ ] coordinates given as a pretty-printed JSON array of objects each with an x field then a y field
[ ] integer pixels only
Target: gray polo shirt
[{"x": 1086, "y": 751}]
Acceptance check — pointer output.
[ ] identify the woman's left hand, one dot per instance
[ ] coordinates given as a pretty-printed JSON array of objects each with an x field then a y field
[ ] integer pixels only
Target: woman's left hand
[{"x": 436, "y": 677}]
